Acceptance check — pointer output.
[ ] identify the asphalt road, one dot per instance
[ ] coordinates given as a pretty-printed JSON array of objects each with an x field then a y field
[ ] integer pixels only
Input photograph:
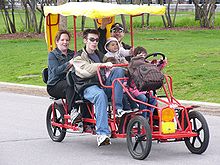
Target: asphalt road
[{"x": 24, "y": 141}]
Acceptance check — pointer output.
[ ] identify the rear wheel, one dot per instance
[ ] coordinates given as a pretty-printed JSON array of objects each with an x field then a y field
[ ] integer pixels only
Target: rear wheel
[
  {"x": 56, "y": 133},
  {"x": 198, "y": 144},
  {"x": 139, "y": 138}
]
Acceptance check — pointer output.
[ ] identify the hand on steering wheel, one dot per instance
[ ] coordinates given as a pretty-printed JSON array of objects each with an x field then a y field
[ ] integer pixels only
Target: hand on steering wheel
[{"x": 157, "y": 61}]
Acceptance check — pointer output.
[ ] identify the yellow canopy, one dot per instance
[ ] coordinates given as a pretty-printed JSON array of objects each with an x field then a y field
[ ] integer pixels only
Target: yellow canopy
[
  {"x": 94, "y": 10},
  {"x": 100, "y": 10}
]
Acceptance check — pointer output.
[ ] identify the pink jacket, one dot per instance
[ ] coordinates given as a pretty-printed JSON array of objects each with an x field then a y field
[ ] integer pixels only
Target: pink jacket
[{"x": 133, "y": 89}]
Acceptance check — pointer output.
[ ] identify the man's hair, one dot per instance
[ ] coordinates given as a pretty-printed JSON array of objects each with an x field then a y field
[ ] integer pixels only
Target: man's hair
[
  {"x": 90, "y": 31},
  {"x": 60, "y": 32},
  {"x": 139, "y": 50}
]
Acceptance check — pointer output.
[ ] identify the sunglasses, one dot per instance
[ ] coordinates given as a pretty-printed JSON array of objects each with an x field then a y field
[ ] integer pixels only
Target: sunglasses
[
  {"x": 93, "y": 39},
  {"x": 117, "y": 29}
]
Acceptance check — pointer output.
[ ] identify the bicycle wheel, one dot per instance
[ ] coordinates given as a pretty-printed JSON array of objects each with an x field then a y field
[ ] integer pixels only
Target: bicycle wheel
[
  {"x": 199, "y": 143},
  {"x": 139, "y": 138},
  {"x": 56, "y": 133}
]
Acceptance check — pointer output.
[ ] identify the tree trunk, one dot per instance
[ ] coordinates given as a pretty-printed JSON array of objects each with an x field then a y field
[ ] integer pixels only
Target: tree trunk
[
  {"x": 9, "y": 22},
  {"x": 175, "y": 12},
  {"x": 123, "y": 19},
  {"x": 83, "y": 23},
  {"x": 205, "y": 13},
  {"x": 63, "y": 19},
  {"x": 168, "y": 16}
]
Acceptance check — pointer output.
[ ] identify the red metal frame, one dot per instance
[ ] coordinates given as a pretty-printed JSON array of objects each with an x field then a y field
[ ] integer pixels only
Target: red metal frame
[
  {"x": 181, "y": 131},
  {"x": 49, "y": 24}
]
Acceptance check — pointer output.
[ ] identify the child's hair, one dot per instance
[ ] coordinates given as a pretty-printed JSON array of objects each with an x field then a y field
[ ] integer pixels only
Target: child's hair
[
  {"x": 139, "y": 50},
  {"x": 112, "y": 60}
]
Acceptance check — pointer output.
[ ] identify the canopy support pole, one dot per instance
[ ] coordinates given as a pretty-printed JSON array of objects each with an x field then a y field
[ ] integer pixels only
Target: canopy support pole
[
  {"x": 74, "y": 33},
  {"x": 131, "y": 31}
]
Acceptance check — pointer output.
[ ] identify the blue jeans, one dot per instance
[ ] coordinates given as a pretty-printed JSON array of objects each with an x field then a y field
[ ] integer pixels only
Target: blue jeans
[
  {"x": 145, "y": 99},
  {"x": 115, "y": 73},
  {"x": 99, "y": 98}
]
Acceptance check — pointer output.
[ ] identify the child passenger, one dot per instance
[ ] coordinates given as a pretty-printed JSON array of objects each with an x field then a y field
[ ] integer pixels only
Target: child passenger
[
  {"x": 114, "y": 50},
  {"x": 142, "y": 96},
  {"x": 116, "y": 54}
]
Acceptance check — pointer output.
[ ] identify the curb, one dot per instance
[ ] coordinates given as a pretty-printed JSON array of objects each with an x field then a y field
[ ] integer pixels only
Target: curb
[
  {"x": 205, "y": 107},
  {"x": 23, "y": 89}
]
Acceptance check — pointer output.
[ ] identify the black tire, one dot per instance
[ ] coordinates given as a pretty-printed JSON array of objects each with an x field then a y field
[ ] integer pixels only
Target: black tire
[
  {"x": 139, "y": 138},
  {"x": 57, "y": 134},
  {"x": 198, "y": 144}
]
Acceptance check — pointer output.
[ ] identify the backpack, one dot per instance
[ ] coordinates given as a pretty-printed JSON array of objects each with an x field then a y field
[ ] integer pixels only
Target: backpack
[{"x": 146, "y": 76}]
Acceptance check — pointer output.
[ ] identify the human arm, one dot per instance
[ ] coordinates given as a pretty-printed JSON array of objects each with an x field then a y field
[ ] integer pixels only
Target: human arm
[
  {"x": 58, "y": 66},
  {"x": 162, "y": 63},
  {"x": 102, "y": 40},
  {"x": 133, "y": 89},
  {"x": 102, "y": 30},
  {"x": 86, "y": 68},
  {"x": 125, "y": 52}
]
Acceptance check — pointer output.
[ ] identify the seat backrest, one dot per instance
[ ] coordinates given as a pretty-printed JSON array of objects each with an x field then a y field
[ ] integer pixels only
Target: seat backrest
[
  {"x": 69, "y": 79},
  {"x": 45, "y": 75}
]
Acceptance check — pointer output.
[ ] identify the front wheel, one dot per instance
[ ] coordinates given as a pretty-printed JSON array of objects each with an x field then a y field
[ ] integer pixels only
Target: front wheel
[
  {"x": 56, "y": 133},
  {"x": 199, "y": 143},
  {"x": 139, "y": 137}
]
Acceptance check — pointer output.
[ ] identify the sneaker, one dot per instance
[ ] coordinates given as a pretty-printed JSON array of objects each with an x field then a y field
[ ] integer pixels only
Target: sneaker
[
  {"x": 135, "y": 109},
  {"x": 103, "y": 140},
  {"x": 121, "y": 112},
  {"x": 74, "y": 115}
]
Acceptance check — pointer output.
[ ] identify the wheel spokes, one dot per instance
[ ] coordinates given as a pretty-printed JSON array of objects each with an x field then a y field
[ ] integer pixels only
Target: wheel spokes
[
  {"x": 54, "y": 131},
  {"x": 193, "y": 141},
  {"x": 139, "y": 128},
  {"x": 138, "y": 139},
  {"x": 194, "y": 124},
  {"x": 135, "y": 145},
  {"x": 198, "y": 130},
  {"x": 142, "y": 147},
  {"x": 199, "y": 139}
]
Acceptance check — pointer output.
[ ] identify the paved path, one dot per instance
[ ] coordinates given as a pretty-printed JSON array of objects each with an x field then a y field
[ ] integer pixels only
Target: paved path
[
  {"x": 24, "y": 141},
  {"x": 207, "y": 108}
]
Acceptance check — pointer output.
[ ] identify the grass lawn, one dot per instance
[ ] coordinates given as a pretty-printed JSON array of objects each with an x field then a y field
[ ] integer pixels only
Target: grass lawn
[{"x": 193, "y": 60}]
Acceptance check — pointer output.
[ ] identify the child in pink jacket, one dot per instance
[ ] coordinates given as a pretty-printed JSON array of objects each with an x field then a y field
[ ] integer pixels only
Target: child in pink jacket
[{"x": 142, "y": 96}]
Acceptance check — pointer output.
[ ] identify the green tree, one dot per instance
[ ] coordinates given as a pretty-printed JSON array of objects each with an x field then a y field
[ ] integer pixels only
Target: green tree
[{"x": 9, "y": 21}]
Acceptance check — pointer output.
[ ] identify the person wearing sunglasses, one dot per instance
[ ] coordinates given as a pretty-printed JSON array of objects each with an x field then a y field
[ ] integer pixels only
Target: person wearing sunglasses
[
  {"x": 86, "y": 63},
  {"x": 117, "y": 31}
]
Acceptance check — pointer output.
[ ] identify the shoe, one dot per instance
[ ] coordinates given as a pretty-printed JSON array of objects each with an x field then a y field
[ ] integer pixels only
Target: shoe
[
  {"x": 147, "y": 118},
  {"x": 135, "y": 109},
  {"x": 74, "y": 115},
  {"x": 121, "y": 112},
  {"x": 103, "y": 140},
  {"x": 90, "y": 129}
]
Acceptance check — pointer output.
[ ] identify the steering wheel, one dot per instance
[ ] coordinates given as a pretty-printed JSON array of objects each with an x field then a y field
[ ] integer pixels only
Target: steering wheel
[{"x": 155, "y": 58}]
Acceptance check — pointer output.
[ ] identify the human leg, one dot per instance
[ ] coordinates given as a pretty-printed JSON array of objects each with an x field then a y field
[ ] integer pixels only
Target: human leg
[
  {"x": 116, "y": 73},
  {"x": 98, "y": 97},
  {"x": 133, "y": 104},
  {"x": 143, "y": 98},
  {"x": 126, "y": 102},
  {"x": 63, "y": 90},
  {"x": 58, "y": 90},
  {"x": 152, "y": 101},
  {"x": 118, "y": 90}
]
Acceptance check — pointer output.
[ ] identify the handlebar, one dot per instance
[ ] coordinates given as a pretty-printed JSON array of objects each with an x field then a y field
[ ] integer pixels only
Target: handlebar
[
  {"x": 155, "y": 55},
  {"x": 114, "y": 65},
  {"x": 100, "y": 76}
]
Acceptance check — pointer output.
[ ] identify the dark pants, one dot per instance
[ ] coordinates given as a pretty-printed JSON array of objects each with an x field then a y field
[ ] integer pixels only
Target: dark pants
[{"x": 62, "y": 90}]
